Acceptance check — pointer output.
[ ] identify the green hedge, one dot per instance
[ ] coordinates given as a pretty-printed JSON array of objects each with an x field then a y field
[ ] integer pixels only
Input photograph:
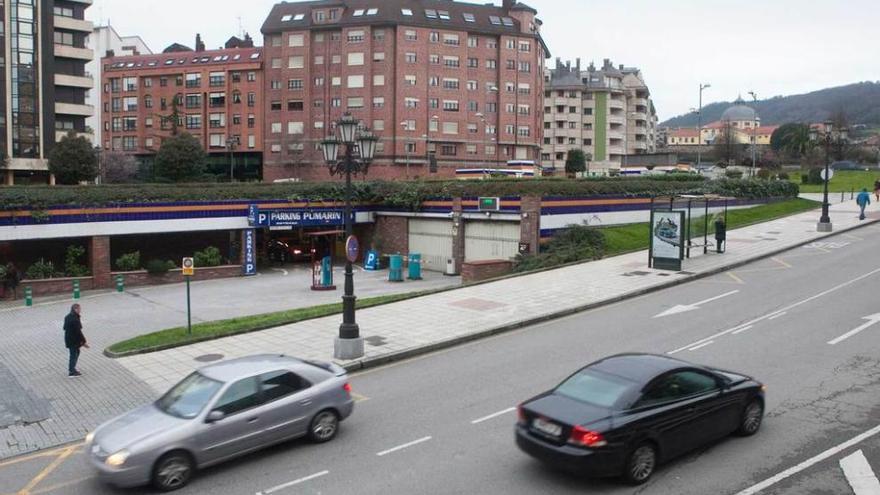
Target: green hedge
[{"x": 408, "y": 195}]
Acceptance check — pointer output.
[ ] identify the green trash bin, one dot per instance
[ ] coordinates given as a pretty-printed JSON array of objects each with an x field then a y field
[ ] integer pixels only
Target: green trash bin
[
  {"x": 395, "y": 272},
  {"x": 415, "y": 266}
]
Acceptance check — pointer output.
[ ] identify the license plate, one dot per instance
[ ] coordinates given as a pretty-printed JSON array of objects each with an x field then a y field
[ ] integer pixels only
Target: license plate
[{"x": 547, "y": 427}]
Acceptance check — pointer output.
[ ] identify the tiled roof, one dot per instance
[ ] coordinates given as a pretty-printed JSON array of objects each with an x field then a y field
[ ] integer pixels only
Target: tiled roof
[
  {"x": 186, "y": 59},
  {"x": 287, "y": 16},
  {"x": 683, "y": 133}
]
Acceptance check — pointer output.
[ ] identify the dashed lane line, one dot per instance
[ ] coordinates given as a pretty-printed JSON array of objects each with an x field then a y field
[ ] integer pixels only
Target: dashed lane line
[
  {"x": 404, "y": 446},
  {"x": 493, "y": 415},
  {"x": 859, "y": 474},
  {"x": 292, "y": 483},
  {"x": 704, "y": 344}
]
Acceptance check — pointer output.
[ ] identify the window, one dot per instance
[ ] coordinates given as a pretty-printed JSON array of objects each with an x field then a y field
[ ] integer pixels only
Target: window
[
  {"x": 594, "y": 387},
  {"x": 410, "y": 80},
  {"x": 251, "y": 99},
  {"x": 473, "y": 62},
  {"x": 409, "y": 125},
  {"x": 430, "y": 13},
  {"x": 129, "y": 83},
  {"x": 355, "y": 102},
  {"x": 358, "y": 13},
  {"x": 525, "y": 67},
  {"x": 378, "y": 56},
  {"x": 411, "y": 102},
  {"x": 276, "y": 63},
  {"x": 434, "y": 81},
  {"x": 525, "y": 46},
  {"x": 251, "y": 76},
  {"x": 378, "y": 34},
  {"x": 411, "y": 58},
  {"x": 473, "y": 106},
  {"x": 163, "y": 81},
  {"x": 217, "y": 79},
  {"x": 490, "y": 149},
  {"x": 451, "y": 39},
  {"x": 378, "y": 102},
  {"x": 236, "y": 96},
  {"x": 469, "y": 17},
  {"x": 511, "y": 44},
  {"x": 236, "y": 119},
  {"x": 433, "y": 103},
  {"x": 434, "y": 37},
  {"x": 355, "y": 36},
  {"x": 448, "y": 149},
  {"x": 148, "y": 142},
  {"x": 241, "y": 395},
  {"x": 275, "y": 106},
  {"x": 275, "y": 40},
  {"x": 148, "y": 122},
  {"x": 511, "y": 65},
  {"x": 216, "y": 99},
  {"x": 378, "y": 80},
  {"x": 295, "y": 128},
  {"x": 450, "y": 83},
  {"x": 251, "y": 122},
  {"x": 443, "y": 14},
  {"x": 491, "y": 63},
  {"x": 495, "y": 20},
  {"x": 276, "y": 127},
  {"x": 130, "y": 103},
  {"x": 378, "y": 125},
  {"x": 148, "y": 101},
  {"x": 278, "y": 384},
  {"x": 676, "y": 386},
  {"x": 356, "y": 81},
  {"x": 492, "y": 107},
  {"x": 524, "y": 89},
  {"x": 216, "y": 141},
  {"x": 193, "y": 121},
  {"x": 406, "y": 12},
  {"x": 193, "y": 80},
  {"x": 129, "y": 143},
  {"x": 356, "y": 58},
  {"x": 434, "y": 59},
  {"x": 491, "y": 43},
  {"x": 472, "y": 85},
  {"x": 295, "y": 62},
  {"x": 335, "y": 36},
  {"x": 450, "y": 105},
  {"x": 129, "y": 123},
  {"x": 252, "y": 141},
  {"x": 410, "y": 147},
  {"x": 275, "y": 84},
  {"x": 336, "y": 81},
  {"x": 336, "y": 102},
  {"x": 295, "y": 106},
  {"x": 295, "y": 40},
  {"x": 472, "y": 128},
  {"x": 471, "y": 149},
  {"x": 450, "y": 61},
  {"x": 450, "y": 128},
  {"x": 507, "y": 21},
  {"x": 63, "y": 38},
  {"x": 236, "y": 77}
]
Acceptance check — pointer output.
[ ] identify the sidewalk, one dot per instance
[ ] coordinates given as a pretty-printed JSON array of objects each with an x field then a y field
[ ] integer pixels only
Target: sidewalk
[{"x": 418, "y": 325}]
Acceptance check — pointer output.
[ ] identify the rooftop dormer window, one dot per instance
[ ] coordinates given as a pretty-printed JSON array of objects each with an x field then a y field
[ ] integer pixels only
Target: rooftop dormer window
[
  {"x": 495, "y": 20},
  {"x": 299, "y": 17},
  {"x": 406, "y": 12},
  {"x": 469, "y": 18},
  {"x": 430, "y": 13},
  {"x": 372, "y": 11},
  {"x": 507, "y": 21},
  {"x": 286, "y": 18},
  {"x": 358, "y": 13},
  {"x": 444, "y": 15}
]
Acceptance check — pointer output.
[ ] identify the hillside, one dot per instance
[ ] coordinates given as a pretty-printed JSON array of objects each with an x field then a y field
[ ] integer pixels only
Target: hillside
[{"x": 860, "y": 102}]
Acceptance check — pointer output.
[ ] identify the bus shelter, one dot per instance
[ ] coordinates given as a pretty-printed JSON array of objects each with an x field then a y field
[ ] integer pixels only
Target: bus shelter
[{"x": 680, "y": 223}]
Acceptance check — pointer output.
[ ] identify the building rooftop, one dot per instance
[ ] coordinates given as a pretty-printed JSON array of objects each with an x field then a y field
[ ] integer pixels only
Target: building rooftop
[{"x": 185, "y": 59}]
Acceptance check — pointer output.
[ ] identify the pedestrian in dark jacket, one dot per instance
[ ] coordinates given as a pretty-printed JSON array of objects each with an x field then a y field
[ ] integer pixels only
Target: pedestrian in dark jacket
[
  {"x": 74, "y": 338},
  {"x": 863, "y": 200}
]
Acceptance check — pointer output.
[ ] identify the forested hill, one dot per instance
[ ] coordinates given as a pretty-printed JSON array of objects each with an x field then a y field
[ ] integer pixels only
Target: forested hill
[{"x": 860, "y": 102}]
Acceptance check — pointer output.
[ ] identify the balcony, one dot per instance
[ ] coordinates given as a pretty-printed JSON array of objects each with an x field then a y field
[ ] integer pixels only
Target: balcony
[
  {"x": 60, "y": 133},
  {"x": 74, "y": 109},
  {"x": 72, "y": 24},
  {"x": 616, "y": 119},
  {"x": 638, "y": 116},
  {"x": 640, "y": 102},
  {"x": 615, "y": 103},
  {"x": 86, "y": 82},
  {"x": 66, "y": 51}
]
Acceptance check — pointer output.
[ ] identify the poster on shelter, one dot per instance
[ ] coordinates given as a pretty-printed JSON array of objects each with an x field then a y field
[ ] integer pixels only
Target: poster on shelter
[{"x": 667, "y": 232}]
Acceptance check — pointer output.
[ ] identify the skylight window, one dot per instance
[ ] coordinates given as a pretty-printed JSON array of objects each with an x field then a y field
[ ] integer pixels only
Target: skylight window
[
  {"x": 299, "y": 17},
  {"x": 153, "y": 63},
  {"x": 169, "y": 61},
  {"x": 237, "y": 56},
  {"x": 444, "y": 14},
  {"x": 225, "y": 58},
  {"x": 507, "y": 21},
  {"x": 469, "y": 18},
  {"x": 286, "y": 17},
  {"x": 218, "y": 58},
  {"x": 407, "y": 12},
  {"x": 255, "y": 56},
  {"x": 495, "y": 20},
  {"x": 206, "y": 59},
  {"x": 373, "y": 11},
  {"x": 130, "y": 65},
  {"x": 196, "y": 60},
  {"x": 358, "y": 13},
  {"x": 430, "y": 13},
  {"x": 181, "y": 61}
]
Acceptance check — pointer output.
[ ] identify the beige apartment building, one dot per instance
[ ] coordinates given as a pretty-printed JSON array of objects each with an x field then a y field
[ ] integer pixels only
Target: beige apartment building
[{"x": 606, "y": 112}]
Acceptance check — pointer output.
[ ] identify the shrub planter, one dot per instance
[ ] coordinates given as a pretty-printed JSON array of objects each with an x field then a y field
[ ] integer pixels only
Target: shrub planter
[
  {"x": 52, "y": 286},
  {"x": 475, "y": 271},
  {"x": 141, "y": 278}
]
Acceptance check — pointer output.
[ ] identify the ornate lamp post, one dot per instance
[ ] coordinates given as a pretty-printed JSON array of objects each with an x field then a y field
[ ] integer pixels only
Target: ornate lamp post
[
  {"x": 360, "y": 147},
  {"x": 700, "y": 124},
  {"x": 828, "y": 136}
]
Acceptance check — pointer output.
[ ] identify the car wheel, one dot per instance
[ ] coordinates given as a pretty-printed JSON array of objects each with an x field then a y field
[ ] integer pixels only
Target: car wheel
[
  {"x": 640, "y": 464},
  {"x": 324, "y": 426},
  {"x": 173, "y": 471},
  {"x": 751, "y": 419}
]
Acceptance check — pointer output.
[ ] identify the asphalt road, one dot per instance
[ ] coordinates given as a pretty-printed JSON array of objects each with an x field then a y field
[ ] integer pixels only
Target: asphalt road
[{"x": 443, "y": 423}]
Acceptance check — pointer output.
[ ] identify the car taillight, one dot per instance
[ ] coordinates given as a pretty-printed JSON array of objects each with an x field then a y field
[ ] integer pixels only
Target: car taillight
[
  {"x": 297, "y": 251},
  {"x": 587, "y": 438},
  {"x": 347, "y": 387},
  {"x": 520, "y": 414}
]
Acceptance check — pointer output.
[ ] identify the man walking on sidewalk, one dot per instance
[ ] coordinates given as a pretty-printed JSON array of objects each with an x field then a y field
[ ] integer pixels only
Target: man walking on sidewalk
[
  {"x": 73, "y": 339},
  {"x": 863, "y": 200}
]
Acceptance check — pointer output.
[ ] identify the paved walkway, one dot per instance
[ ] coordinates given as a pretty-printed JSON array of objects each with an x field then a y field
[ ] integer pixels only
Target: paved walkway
[
  {"x": 40, "y": 407},
  {"x": 408, "y": 327}
]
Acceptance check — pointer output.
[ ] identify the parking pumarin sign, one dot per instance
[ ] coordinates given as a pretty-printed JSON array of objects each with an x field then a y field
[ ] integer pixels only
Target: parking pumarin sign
[{"x": 299, "y": 218}]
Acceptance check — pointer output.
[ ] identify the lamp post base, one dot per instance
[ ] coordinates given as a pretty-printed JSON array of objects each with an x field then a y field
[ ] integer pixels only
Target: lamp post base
[
  {"x": 824, "y": 227},
  {"x": 347, "y": 349}
]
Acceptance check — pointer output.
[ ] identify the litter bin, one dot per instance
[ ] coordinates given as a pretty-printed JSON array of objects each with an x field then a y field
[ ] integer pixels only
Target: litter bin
[
  {"x": 395, "y": 272},
  {"x": 327, "y": 271},
  {"x": 415, "y": 266},
  {"x": 720, "y": 235}
]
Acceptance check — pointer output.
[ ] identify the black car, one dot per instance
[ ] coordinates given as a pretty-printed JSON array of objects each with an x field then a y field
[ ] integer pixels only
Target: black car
[{"x": 624, "y": 414}]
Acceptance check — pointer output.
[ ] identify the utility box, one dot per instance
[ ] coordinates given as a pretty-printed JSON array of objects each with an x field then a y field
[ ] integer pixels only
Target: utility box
[
  {"x": 415, "y": 266},
  {"x": 450, "y": 267},
  {"x": 395, "y": 268}
]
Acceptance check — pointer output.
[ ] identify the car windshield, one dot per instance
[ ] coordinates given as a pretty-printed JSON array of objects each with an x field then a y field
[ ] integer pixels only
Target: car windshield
[
  {"x": 594, "y": 388},
  {"x": 189, "y": 397}
]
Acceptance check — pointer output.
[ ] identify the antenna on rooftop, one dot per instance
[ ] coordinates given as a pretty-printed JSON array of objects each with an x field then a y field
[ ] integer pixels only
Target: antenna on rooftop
[{"x": 240, "y": 28}]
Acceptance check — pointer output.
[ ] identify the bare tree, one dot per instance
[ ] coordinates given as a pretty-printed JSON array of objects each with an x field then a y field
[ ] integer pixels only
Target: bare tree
[
  {"x": 727, "y": 151},
  {"x": 117, "y": 167}
]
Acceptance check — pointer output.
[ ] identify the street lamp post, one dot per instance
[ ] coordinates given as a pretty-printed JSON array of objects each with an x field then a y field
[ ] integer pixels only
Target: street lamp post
[
  {"x": 231, "y": 143},
  {"x": 349, "y": 344},
  {"x": 700, "y": 124},
  {"x": 828, "y": 137},
  {"x": 754, "y": 133}
]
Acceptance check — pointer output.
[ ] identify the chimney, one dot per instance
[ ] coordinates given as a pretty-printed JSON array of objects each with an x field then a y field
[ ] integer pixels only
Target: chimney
[
  {"x": 508, "y": 4},
  {"x": 578, "y": 65},
  {"x": 200, "y": 45},
  {"x": 621, "y": 66},
  {"x": 606, "y": 63},
  {"x": 110, "y": 54},
  {"x": 568, "y": 64}
]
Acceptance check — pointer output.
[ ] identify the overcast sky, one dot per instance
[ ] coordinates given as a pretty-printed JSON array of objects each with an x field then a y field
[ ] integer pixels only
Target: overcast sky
[{"x": 772, "y": 47}]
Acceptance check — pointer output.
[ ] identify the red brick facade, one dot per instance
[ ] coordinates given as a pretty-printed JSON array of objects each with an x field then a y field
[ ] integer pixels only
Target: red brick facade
[
  {"x": 392, "y": 234},
  {"x": 99, "y": 261},
  {"x": 475, "y": 271}
]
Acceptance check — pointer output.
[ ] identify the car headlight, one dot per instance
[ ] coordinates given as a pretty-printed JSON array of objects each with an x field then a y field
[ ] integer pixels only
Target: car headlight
[
  {"x": 118, "y": 458},
  {"x": 90, "y": 437}
]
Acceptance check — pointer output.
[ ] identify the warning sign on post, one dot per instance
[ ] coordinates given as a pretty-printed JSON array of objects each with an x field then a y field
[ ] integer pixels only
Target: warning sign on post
[{"x": 188, "y": 267}]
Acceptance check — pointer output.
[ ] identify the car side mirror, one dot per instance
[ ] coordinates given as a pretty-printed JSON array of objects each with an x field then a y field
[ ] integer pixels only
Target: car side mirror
[{"x": 214, "y": 416}]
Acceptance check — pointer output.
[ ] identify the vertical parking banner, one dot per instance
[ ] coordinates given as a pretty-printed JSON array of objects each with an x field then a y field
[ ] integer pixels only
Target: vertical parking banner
[{"x": 249, "y": 267}]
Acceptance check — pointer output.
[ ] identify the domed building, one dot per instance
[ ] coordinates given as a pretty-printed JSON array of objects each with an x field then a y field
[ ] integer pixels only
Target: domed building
[{"x": 742, "y": 121}]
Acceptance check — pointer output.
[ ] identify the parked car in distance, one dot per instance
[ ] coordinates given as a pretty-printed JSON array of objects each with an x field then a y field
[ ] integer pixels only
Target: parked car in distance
[
  {"x": 624, "y": 414},
  {"x": 219, "y": 412},
  {"x": 847, "y": 165}
]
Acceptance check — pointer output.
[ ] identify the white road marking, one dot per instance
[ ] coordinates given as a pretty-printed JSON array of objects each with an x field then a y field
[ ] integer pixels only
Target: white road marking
[
  {"x": 809, "y": 462},
  {"x": 401, "y": 447},
  {"x": 291, "y": 483},
  {"x": 777, "y": 315},
  {"x": 859, "y": 474},
  {"x": 282, "y": 270},
  {"x": 493, "y": 415},
  {"x": 704, "y": 344},
  {"x": 787, "y": 308},
  {"x": 872, "y": 320},
  {"x": 683, "y": 308},
  {"x": 743, "y": 329}
]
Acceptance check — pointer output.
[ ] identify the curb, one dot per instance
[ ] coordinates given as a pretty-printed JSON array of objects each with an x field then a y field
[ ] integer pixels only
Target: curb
[{"x": 363, "y": 364}]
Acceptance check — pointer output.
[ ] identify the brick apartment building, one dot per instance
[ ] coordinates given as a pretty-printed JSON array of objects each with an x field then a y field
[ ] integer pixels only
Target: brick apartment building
[
  {"x": 219, "y": 97},
  {"x": 461, "y": 81}
]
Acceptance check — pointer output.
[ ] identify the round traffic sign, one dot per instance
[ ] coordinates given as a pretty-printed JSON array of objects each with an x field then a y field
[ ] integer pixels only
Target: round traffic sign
[
  {"x": 352, "y": 248},
  {"x": 830, "y": 174}
]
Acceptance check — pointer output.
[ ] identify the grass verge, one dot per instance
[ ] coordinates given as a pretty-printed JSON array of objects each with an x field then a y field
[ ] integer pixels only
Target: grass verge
[
  {"x": 175, "y": 337},
  {"x": 843, "y": 181},
  {"x": 634, "y": 237}
]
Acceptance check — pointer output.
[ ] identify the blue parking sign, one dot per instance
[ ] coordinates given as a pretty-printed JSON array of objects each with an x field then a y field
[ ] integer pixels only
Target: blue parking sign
[{"x": 249, "y": 265}]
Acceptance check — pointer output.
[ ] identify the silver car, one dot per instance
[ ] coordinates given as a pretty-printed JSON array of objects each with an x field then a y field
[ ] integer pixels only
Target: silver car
[{"x": 219, "y": 412}]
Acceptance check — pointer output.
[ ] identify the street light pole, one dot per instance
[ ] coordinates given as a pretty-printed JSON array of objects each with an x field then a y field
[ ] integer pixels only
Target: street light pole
[
  {"x": 231, "y": 142},
  {"x": 754, "y": 133},
  {"x": 700, "y": 124},
  {"x": 349, "y": 344},
  {"x": 829, "y": 138}
]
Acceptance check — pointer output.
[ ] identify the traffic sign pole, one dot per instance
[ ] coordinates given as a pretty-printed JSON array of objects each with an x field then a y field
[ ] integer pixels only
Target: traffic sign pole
[{"x": 188, "y": 271}]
